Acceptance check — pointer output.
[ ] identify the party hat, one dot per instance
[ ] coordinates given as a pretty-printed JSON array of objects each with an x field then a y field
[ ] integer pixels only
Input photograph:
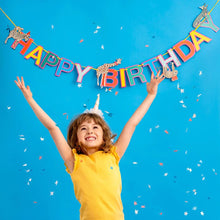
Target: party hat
[{"x": 96, "y": 109}]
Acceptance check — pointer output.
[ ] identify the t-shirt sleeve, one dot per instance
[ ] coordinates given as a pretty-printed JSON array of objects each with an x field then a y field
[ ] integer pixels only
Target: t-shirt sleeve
[
  {"x": 113, "y": 151},
  {"x": 75, "y": 162}
]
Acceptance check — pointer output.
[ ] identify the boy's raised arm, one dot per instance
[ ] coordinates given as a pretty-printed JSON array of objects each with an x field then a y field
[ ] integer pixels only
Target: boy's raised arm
[
  {"x": 59, "y": 139},
  {"x": 128, "y": 130}
]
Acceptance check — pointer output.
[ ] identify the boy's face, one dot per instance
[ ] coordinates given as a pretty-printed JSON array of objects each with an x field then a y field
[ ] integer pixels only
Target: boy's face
[{"x": 90, "y": 134}]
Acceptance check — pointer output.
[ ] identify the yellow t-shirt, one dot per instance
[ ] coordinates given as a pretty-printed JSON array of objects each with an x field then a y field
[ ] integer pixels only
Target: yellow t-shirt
[{"x": 97, "y": 185}]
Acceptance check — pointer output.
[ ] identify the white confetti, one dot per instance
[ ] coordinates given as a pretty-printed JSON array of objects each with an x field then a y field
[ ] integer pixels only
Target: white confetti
[
  {"x": 199, "y": 95},
  {"x": 51, "y": 193},
  {"x": 22, "y": 139},
  {"x": 24, "y": 165},
  {"x": 181, "y": 101},
  {"x": 203, "y": 178},
  {"x": 202, "y": 213},
  {"x": 182, "y": 90},
  {"x": 184, "y": 106},
  {"x": 41, "y": 138},
  {"x": 96, "y": 31},
  {"x": 189, "y": 169},
  {"x": 165, "y": 174},
  {"x": 98, "y": 27},
  {"x": 186, "y": 152},
  {"x": 8, "y": 107},
  {"x": 185, "y": 213},
  {"x": 200, "y": 73},
  {"x": 149, "y": 186},
  {"x": 178, "y": 85},
  {"x": 52, "y": 26},
  {"x": 25, "y": 149},
  {"x": 27, "y": 171},
  {"x": 194, "y": 208},
  {"x": 194, "y": 116},
  {"x": 79, "y": 85},
  {"x": 102, "y": 47},
  {"x": 150, "y": 130},
  {"x": 157, "y": 126},
  {"x": 135, "y": 163},
  {"x": 121, "y": 28},
  {"x": 198, "y": 164},
  {"x": 136, "y": 211},
  {"x": 56, "y": 182}
]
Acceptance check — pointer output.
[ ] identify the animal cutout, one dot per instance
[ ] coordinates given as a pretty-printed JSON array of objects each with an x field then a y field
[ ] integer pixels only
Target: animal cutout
[
  {"x": 202, "y": 15},
  {"x": 170, "y": 74},
  {"x": 18, "y": 36},
  {"x": 103, "y": 70}
]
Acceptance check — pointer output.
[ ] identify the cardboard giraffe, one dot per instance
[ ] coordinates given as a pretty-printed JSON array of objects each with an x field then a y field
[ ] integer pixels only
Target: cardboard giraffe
[{"x": 103, "y": 70}]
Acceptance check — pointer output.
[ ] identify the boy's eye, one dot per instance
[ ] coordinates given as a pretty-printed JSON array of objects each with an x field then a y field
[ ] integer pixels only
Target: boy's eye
[
  {"x": 95, "y": 127},
  {"x": 83, "y": 129}
]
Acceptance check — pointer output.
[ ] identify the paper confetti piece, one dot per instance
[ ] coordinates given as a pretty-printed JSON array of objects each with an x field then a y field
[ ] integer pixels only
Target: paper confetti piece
[
  {"x": 149, "y": 186},
  {"x": 161, "y": 213},
  {"x": 96, "y": 31},
  {"x": 157, "y": 126},
  {"x": 24, "y": 165},
  {"x": 66, "y": 115},
  {"x": 135, "y": 163},
  {"x": 56, "y": 182},
  {"x": 41, "y": 138},
  {"x": 202, "y": 213},
  {"x": 146, "y": 45},
  {"x": 98, "y": 27},
  {"x": 150, "y": 130},
  {"x": 136, "y": 211},
  {"x": 35, "y": 202},
  {"x": 143, "y": 206},
  {"x": 185, "y": 213},
  {"x": 190, "y": 119},
  {"x": 184, "y": 106},
  {"x": 166, "y": 132},
  {"x": 121, "y": 28},
  {"x": 51, "y": 193},
  {"x": 199, "y": 95},
  {"x": 165, "y": 174},
  {"x": 52, "y": 26},
  {"x": 116, "y": 93},
  {"x": 8, "y": 107},
  {"x": 194, "y": 116},
  {"x": 189, "y": 169},
  {"x": 200, "y": 73},
  {"x": 79, "y": 85},
  {"x": 102, "y": 47},
  {"x": 40, "y": 157},
  {"x": 181, "y": 101},
  {"x": 161, "y": 164},
  {"x": 22, "y": 139},
  {"x": 175, "y": 151},
  {"x": 25, "y": 149},
  {"x": 194, "y": 208},
  {"x": 135, "y": 203},
  {"x": 81, "y": 41},
  {"x": 182, "y": 90}
]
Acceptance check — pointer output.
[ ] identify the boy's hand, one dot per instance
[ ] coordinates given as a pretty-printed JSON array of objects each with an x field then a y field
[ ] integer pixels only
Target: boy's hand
[
  {"x": 26, "y": 91},
  {"x": 154, "y": 82}
]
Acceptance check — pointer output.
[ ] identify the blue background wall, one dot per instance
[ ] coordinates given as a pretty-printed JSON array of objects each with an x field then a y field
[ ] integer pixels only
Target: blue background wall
[{"x": 170, "y": 176}]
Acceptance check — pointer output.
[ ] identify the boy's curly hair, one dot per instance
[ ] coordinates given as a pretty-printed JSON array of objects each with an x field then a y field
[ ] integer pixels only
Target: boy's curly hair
[{"x": 73, "y": 128}]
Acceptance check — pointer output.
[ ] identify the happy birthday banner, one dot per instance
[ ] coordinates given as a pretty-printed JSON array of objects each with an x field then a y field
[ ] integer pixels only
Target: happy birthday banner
[{"x": 185, "y": 49}]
